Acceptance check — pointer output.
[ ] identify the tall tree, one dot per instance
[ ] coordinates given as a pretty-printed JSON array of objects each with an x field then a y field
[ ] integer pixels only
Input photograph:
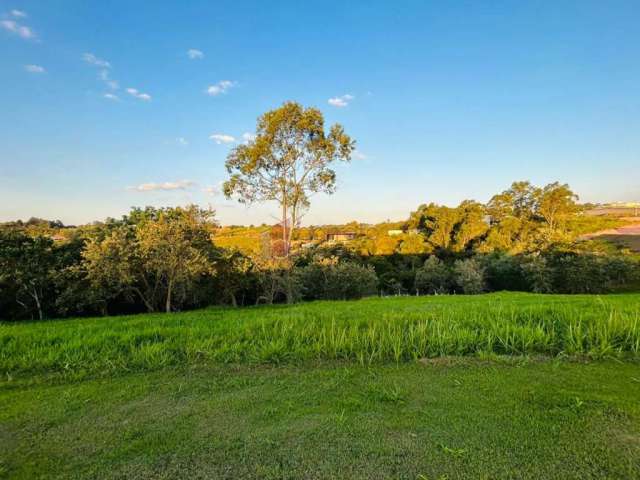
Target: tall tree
[
  {"x": 27, "y": 263},
  {"x": 556, "y": 203},
  {"x": 288, "y": 159}
]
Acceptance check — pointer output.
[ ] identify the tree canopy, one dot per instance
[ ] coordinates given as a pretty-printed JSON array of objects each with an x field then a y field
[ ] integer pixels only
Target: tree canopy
[{"x": 289, "y": 159}]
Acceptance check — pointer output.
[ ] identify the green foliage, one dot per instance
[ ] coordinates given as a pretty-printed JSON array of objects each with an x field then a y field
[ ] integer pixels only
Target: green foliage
[
  {"x": 447, "y": 228},
  {"x": 158, "y": 258},
  {"x": 288, "y": 160},
  {"x": 592, "y": 273},
  {"x": 538, "y": 274},
  {"x": 26, "y": 268},
  {"x": 469, "y": 276},
  {"x": 504, "y": 272},
  {"x": 337, "y": 281},
  {"x": 434, "y": 277}
]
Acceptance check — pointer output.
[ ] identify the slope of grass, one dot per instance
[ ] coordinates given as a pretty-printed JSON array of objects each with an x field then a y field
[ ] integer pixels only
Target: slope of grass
[
  {"x": 444, "y": 419},
  {"x": 406, "y": 388},
  {"x": 368, "y": 331}
]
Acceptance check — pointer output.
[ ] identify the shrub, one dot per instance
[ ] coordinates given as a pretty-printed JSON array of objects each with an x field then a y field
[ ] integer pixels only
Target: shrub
[
  {"x": 538, "y": 274},
  {"x": 469, "y": 276},
  {"x": 339, "y": 281},
  {"x": 433, "y": 277},
  {"x": 592, "y": 273},
  {"x": 504, "y": 272}
]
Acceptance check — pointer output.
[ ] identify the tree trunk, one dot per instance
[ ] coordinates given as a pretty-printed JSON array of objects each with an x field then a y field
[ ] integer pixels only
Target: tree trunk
[
  {"x": 37, "y": 299},
  {"x": 285, "y": 238},
  {"x": 289, "y": 290},
  {"x": 292, "y": 226},
  {"x": 168, "y": 302},
  {"x": 146, "y": 302}
]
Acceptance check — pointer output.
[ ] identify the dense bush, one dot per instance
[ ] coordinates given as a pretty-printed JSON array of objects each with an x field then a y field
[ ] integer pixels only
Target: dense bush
[
  {"x": 504, "y": 272},
  {"x": 339, "y": 281},
  {"x": 434, "y": 277},
  {"x": 469, "y": 276},
  {"x": 591, "y": 273},
  {"x": 537, "y": 274}
]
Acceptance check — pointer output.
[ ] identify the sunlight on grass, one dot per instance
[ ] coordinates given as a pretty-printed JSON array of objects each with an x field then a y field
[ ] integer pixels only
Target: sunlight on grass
[{"x": 368, "y": 331}]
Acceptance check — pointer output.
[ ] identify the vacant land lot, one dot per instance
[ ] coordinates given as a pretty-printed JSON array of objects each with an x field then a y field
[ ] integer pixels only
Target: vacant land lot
[
  {"x": 626, "y": 236},
  {"x": 494, "y": 386}
]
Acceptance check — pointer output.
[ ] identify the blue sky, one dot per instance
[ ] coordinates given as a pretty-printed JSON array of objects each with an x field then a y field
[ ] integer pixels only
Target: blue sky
[{"x": 446, "y": 100}]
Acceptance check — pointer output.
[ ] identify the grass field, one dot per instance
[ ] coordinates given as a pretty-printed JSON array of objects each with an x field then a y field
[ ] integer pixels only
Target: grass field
[
  {"x": 492, "y": 386},
  {"x": 368, "y": 331}
]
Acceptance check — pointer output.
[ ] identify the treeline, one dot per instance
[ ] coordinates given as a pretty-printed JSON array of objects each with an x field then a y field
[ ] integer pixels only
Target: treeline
[{"x": 167, "y": 259}]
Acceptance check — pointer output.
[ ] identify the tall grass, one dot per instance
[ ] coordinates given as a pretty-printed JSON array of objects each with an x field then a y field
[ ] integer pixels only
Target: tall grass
[{"x": 366, "y": 331}]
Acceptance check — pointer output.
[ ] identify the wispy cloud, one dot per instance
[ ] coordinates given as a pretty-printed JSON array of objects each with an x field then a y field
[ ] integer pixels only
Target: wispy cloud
[
  {"x": 358, "y": 155},
  {"x": 19, "y": 13},
  {"x": 221, "y": 87},
  {"x": 341, "y": 101},
  {"x": 182, "y": 141},
  {"x": 134, "y": 92},
  {"x": 220, "y": 138},
  {"x": 212, "y": 191},
  {"x": 34, "y": 69},
  {"x": 166, "y": 186},
  {"x": 195, "y": 54},
  {"x": 91, "y": 59},
  {"x": 18, "y": 29},
  {"x": 104, "y": 76},
  {"x": 111, "y": 96}
]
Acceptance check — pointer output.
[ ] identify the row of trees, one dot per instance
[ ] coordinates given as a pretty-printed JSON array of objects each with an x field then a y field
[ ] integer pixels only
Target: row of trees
[
  {"x": 521, "y": 219},
  {"x": 166, "y": 260}
]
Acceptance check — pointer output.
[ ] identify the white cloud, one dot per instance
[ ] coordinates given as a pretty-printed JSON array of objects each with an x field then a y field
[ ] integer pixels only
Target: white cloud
[
  {"x": 220, "y": 138},
  {"x": 247, "y": 137},
  {"x": 221, "y": 87},
  {"x": 19, "y": 13},
  {"x": 34, "y": 69},
  {"x": 210, "y": 191},
  {"x": 20, "y": 30},
  {"x": 166, "y": 186},
  {"x": 182, "y": 141},
  {"x": 111, "y": 96},
  {"x": 137, "y": 94},
  {"x": 341, "y": 101},
  {"x": 104, "y": 76},
  {"x": 194, "y": 54},
  {"x": 358, "y": 155},
  {"x": 91, "y": 59}
]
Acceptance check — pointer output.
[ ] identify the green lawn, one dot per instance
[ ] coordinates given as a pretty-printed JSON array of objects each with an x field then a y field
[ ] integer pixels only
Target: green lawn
[
  {"x": 364, "y": 389},
  {"x": 472, "y": 420}
]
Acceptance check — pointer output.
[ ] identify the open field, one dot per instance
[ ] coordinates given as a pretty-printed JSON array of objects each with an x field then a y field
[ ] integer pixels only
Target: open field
[
  {"x": 368, "y": 331},
  {"x": 626, "y": 236},
  {"x": 491, "y": 386},
  {"x": 480, "y": 420}
]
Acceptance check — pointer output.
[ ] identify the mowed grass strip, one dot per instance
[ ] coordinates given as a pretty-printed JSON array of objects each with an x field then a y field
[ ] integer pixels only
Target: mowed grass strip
[
  {"x": 368, "y": 331},
  {"x": 444, "y": 419}
]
